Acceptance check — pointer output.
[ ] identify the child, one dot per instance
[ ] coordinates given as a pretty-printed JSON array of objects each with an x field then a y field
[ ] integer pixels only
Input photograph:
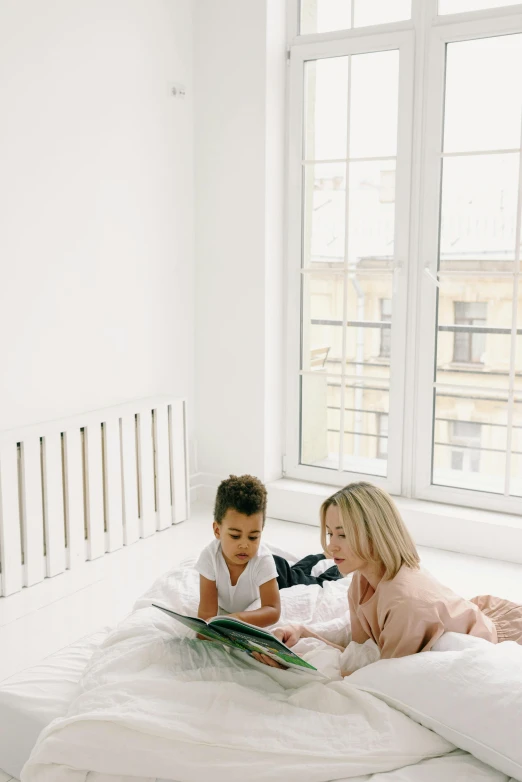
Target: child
[{"x": 236, "y": 568}]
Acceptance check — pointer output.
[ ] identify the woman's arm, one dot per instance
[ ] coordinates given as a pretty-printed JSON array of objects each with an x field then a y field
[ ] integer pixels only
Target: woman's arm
[
  {"x": 208, "y": 599},
  {"x": 270, "y": 610},
  {"x": 359, "y": 635},
  {"x": 307, "y": 633},
  {"x": 291, "y": 634},
  {"x": 409, "y": 629}
]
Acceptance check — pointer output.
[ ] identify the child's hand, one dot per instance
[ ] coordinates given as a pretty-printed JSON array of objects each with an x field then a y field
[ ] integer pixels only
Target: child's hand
[
  {"x": 204, "y": 637},
  {"x": 264, "y": 658}
]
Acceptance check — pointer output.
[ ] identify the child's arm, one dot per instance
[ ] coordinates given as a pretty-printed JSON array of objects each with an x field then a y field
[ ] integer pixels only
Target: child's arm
[
  {"x": 208, "y": 598},
  {"x": 270, "y": 610}
]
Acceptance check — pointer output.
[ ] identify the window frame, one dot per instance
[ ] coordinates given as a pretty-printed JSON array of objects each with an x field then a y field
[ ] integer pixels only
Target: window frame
[
  {"x": 352, "y": 44},
  {"x": 447, "y": 29},
  {"x": 414, "y": 341}
]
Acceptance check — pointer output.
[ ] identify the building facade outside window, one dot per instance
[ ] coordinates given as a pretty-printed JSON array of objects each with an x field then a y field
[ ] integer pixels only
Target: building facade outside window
[{"x": 470, "y": 343}]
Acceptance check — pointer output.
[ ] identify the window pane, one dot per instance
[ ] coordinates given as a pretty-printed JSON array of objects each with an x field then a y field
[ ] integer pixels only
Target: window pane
[
  {"x": 320, "y": 406},
  {"x": 374, "y": 104},
  {"x": 483, "y": 107},
  {"x": 324, "y": 217},
  {"x": 371, "y": 213},
  {"x": 348, "y": 208},
  {"x": 369, "y": 12},
  {"x": 323, "y": 16},
  {"x": 382, "y": 442},
  {"x": 479, "y": 205},
  {"x": 365, "y": 435},
  {"x": 470, "y": 440},
  {"x": 368, "y": 332},
  {"x": 478, "y": 364},
  {"x": 322, "y": 330},
  {"x": 385, "y": 339},
  {"x": 474, "y": 337},
  {"x": 326, "y": 106},
  {"x": 460, "y": 6},
  {"x": 368, "y": 335},
  {"x": 469, "y": 345},
  {"x": 516, "y": 452},
  {"x": 366, "y": 408}
]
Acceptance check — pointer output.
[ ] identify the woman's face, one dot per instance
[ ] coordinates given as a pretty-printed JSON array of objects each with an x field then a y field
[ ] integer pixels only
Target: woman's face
[{"x": 337, "y": 547}]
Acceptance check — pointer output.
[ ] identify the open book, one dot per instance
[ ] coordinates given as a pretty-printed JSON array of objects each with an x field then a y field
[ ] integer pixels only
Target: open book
[{"x": 240, "y": 635}]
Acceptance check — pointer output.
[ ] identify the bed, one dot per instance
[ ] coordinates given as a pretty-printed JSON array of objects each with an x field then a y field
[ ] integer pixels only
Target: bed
[
  {"x": 32, "y": 699},
  {"x": 154, "y": 704}
]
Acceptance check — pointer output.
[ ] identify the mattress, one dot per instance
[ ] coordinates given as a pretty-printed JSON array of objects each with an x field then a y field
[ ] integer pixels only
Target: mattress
[{"x": 30, "y": 700}]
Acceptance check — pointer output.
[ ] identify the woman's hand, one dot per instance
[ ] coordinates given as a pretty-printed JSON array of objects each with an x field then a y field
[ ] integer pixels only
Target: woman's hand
[
  {"x": 264, "y": 658},
  {"x": 289, "y": 634}
]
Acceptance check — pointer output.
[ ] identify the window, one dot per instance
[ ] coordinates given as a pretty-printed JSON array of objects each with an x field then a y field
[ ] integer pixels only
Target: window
[
  {"x": 348, "y": 174},
  {"x": 458, "y": 6},
  {"x": 470, "y": 343},
  {"x": 457, "y": 460},
  {"x": 478, "y": 367},
  {"x": 384, "y": 351},
  {"x": 387, "y": 195},
  {"x": 321, "y": 16},
  {"x": 405, "y": 292},
  {"x": 465, "y": 451},
  {"x": 382, "y": 438}
]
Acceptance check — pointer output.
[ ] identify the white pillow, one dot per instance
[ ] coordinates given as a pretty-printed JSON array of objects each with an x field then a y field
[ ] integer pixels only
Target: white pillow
[
  {"x": 457, "y": 642},
  {"x": 472, "y": 698}
]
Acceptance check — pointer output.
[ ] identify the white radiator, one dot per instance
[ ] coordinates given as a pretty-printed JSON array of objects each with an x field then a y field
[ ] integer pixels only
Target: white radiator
[{"x": 74, "y": 489}]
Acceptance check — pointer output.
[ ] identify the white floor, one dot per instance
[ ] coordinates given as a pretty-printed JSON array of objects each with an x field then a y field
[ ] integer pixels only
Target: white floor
[{"x": 41, "y": 620}]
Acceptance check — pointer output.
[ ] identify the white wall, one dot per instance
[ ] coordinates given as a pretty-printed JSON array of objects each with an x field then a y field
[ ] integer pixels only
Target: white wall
[
  {"x": 96, "y": 205},
  {"x": 239, "y": 137}
]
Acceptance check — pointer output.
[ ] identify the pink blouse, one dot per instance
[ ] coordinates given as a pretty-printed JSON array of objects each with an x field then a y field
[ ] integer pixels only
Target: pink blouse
[{"x": 410, "y": 612}]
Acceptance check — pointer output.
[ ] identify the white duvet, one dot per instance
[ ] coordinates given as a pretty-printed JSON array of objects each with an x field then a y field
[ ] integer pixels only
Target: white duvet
[{"x": 157, "y": 704}]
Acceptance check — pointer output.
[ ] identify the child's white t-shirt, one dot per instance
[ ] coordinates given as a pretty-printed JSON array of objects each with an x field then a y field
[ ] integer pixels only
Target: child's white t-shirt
[{"x": 260, "y": 569}]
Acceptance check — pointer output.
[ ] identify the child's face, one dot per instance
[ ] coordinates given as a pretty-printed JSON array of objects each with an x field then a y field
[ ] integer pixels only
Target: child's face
[{"x": 240, "y": 536}]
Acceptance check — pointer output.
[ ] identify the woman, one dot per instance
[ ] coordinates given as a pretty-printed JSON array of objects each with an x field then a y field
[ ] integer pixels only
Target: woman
[{"x": 392, "y": 601}]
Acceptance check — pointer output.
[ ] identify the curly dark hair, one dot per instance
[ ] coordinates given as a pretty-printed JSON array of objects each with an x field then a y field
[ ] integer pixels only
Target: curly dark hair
[{"x": 244, "y": 494}]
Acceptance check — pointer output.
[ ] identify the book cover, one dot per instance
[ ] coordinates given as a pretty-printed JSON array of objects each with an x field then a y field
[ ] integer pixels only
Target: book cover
[{"x": 240, "y": 635}]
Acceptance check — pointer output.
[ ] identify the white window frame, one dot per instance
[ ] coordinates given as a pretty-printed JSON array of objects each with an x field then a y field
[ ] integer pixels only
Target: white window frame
[
  {"x": 422, "y": 41},
  {"x": 352, "y": 44},
  {"x": 448, "y": 29}
]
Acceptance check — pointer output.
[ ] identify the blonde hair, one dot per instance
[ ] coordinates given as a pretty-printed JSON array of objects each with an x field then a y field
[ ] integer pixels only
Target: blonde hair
[{"x": 373, "y": 527}]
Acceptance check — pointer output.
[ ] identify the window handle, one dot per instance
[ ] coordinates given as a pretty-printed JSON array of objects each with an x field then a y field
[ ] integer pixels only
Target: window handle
[{"x": 432, "y": 276}]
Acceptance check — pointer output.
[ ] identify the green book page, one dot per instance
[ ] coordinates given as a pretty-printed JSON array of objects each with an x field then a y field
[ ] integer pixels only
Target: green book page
[
  {"x": 239, "y": 635},
  {"x": 254, "y": 639},
  {"x": 201, "y": 627}
]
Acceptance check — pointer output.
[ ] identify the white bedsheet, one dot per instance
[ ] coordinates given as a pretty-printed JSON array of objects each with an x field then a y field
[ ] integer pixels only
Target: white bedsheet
[
  {"x": 30, "y": 700},
  {"x": 156, "y": 704}
]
